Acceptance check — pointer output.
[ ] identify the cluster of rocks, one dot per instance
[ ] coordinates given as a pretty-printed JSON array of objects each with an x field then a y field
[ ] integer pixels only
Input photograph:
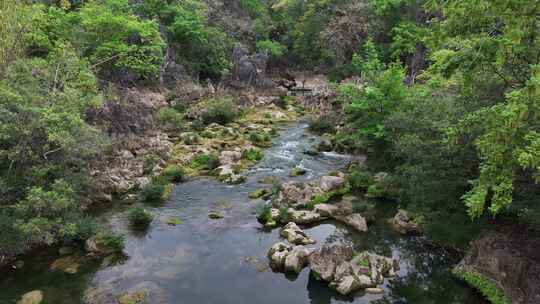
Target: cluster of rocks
[
  {"x": 347, "y": 271},
  {"x": 125, "y": 171},
  {"x": 228, "y": 160},
  {"x": 343, "y": 269},
  {"x": 295, "y": 198}
]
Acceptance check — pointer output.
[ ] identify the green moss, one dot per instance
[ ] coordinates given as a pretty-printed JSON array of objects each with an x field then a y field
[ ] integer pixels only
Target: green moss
[
  {"x": 297, "y": 172},
  {"x": 486, "y": 286},
  {"x": 259, "y": 193},
  {"x": 173, "y": 221},
  {"x": 253, "y": 155},
  {"x": 174, "y": 173},
  {"x": 264, "y": 214},
  {"x": 205, "y": 161}
]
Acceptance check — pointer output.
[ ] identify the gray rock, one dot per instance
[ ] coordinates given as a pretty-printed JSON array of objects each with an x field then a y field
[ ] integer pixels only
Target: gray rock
[
  {"x": 330, "y": 183},
  {"x": 355, "y": 220},
  {"x": 295, "y": 235},
  {"x": 304, "y": 216},
  {"x": 403, "y": 224},
  {"x": 32, "y": 297}
]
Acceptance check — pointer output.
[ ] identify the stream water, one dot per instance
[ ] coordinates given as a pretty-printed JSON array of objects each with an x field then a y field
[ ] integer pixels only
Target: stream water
[{"x": 205, "y": 261}]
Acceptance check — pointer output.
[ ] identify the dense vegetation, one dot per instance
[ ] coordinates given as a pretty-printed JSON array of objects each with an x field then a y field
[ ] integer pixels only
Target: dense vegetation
[{"x": 449, "y": 98}]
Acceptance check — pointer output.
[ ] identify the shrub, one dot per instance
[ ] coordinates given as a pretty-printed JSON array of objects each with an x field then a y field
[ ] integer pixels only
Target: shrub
[
  {"x": 139, "y": 217},
  {"x": 205, "y": 161},
  {"x": 323, "y": 124},
  {"x": 197, "y": 125},
  {"x": 260, "y": 138},
  {"x": 170, "y": 118},
  {"x": 359, "y": 179},
  {"x": 284, "y": 215},
  {"x": 318, "y": 199},
  {"x": 253, "y": 154},
  {"x": 274, "y": 49},
  {"x": 112, "y": 240},
  {"x": 87, "y": 227},
  {"x": 157, "y": 190},
  {"x": 264, "y": 214},
  {"x": 220, "y": 112},
  {"x": 174, "y": 173},
  {"x": 149, "y": 162},
  {"x": 190, "y": 138}
]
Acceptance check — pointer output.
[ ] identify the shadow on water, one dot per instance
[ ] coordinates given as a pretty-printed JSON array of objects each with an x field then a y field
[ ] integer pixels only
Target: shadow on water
[{"x": 224, "y": 261}]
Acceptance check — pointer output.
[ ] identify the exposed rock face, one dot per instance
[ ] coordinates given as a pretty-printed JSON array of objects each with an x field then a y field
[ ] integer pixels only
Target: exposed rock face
[
  {"x": 32, "y": 297},
  {"x": 285, "y": 257},
  {"x": 229, "y": 157},
  {"x": 249, "y": 69},
  {"x": 509, "y": 259},
  {"x": 342, "y": 213},
  {"x": 347, "y": 272},
  {"x": 403, "y": 224},
  {"x": 295, "y": 235}
]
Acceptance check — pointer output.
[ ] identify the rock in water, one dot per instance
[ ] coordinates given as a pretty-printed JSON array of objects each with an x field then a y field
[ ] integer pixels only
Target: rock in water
[
  {"x": 295, "y": 235},
  {"x": 324, "y": 261},
  {"x": 284, "y": 257},
  {"x": 356, "y": 221},
  {"x": 403, "y": 224},
  {"x": 32, "y": 297},
  {"x": 304, "y": 216}
]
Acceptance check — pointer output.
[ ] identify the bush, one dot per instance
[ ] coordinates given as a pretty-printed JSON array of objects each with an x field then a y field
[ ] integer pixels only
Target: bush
[
  {"x": 205, "y": 161},
  {"x": 190, "y": 138},
  {"x": 157, "y": 190},
  {"x": 220, "y": 112},
  {"x": 318, "y": 199},
  {"x": 323, "y": 124},
  {"x": 174, "y": 174},
  {"x": 149, "y": 162},
  {"x": 273, "y": 48},
  {"x": 111, "y": 240},
  {"x": 170, "y": 118},
  {"x": 87, "y": 227},
  {"x": 207, "y": 134},
  {"x": 139, "y": 217},
  {"x": 264, "y": 214},
  {"x": 253, "y": 154},
  {"x": 260, "y": 138},
  {"x": 359, "y": 179},
  {"x": 197, "y": 125}
]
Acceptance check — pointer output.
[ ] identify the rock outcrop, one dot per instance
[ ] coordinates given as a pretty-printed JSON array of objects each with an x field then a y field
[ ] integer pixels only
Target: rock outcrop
[
  {"x": 32, "y": 297},
  {"x": 510, "y": 260}
]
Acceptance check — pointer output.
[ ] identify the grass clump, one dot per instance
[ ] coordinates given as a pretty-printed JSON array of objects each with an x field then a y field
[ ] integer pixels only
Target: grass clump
[
  {"x": 253, "y": 155},
  {"x": 158, "y": 190},
  {"x": 486, "y": 286},
  {"x": 220, "y": 112},
  {"x": 174, "y": 174},
  {"x": 110, "y": 240},
  {"x": 323, "y": 124},
  {"x": 359, "y": 179},
  {"x": 205, "y": 161},
  {"x": 170, "y": 118},
  {"x": 139, "y": 217},
  {"x": 260, "y": 139}
]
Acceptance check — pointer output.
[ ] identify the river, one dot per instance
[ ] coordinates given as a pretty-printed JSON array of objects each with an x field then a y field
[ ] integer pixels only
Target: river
[{"x": 205, "y": 261}]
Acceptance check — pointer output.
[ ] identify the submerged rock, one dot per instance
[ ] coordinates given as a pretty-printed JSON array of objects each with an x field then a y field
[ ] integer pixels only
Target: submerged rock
[
  {"x": 403, "y": 224},
  {"x": 260, "y": 193},
  {"x": 138, "y": 297},
  {"x": 297, "y": 172},
  {"x": 295, "y": 235},
  {"x": 32, "y": 297},
  {"x": 68, "y": 264},
  {"x": 215, "y": 215}
]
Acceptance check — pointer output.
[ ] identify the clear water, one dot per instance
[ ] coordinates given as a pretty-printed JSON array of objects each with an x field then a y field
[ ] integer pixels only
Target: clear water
[{"x": 204, "y": 261}]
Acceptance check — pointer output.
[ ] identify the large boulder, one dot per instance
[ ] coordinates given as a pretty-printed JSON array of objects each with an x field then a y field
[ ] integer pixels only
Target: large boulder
[
  {"x": 287, "y": 258},
  {"x": 355, "y": 220},
  {"x": 403, "y": 223},
  {"x": 510, "y": 260},
  {"x": 32, "y": 297},
  {"x": 295, "y": 235},
  {"x": 330, "y": 183},
  {"x": 295, "y": 194},
  {"x": 324, "y": 261},
  {"x": 229, "y": 157}
]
